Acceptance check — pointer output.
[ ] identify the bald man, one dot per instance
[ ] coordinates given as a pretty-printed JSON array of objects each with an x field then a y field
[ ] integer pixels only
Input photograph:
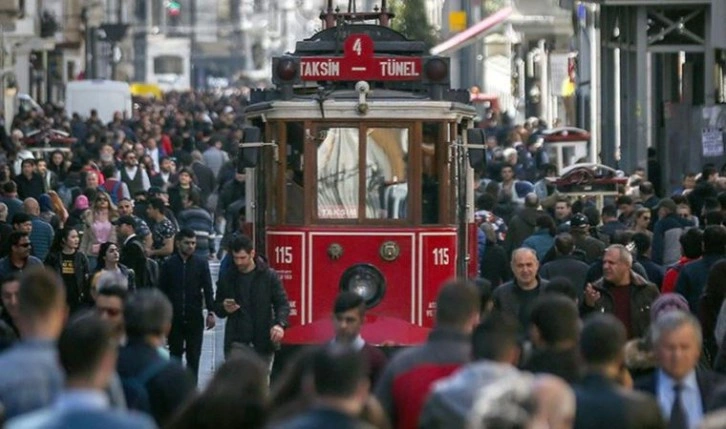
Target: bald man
[
  {"x": 555, "y": 403},
  {"x": 42, "y": 233}
]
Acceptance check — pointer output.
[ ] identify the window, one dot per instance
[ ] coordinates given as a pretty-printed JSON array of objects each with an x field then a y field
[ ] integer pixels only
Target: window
[
  {"x": 386, "y": 177},
  {"x": 430, "y": 168},
  {"x": 338, "y": 173},
  {"x": 168, "y": 64}
]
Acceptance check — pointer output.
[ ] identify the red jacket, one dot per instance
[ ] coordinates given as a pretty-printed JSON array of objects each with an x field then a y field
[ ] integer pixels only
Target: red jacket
[
  {"x": 405, "y": 384},
  {"x": 671, "y": 275}
]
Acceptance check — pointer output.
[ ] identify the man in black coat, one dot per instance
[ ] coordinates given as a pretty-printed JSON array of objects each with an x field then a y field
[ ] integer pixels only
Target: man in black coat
[
  {"x": 566, "y": 263},
  {"x": 132, "y": 250},
  {"x": 601, "y": 403},
  {"x": 184, "y": 278},
  {"x": 682, "y": 390},
  {"x": 30, "y": 184},
  {"x": 254, "y": 300}
]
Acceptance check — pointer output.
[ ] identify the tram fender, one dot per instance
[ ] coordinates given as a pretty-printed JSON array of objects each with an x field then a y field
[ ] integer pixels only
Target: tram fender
[{"x": 377, "y": 331}]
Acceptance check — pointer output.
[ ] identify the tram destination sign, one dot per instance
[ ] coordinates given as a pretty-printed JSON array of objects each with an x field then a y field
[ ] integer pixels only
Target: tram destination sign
[{"x": 359, "y": 63}]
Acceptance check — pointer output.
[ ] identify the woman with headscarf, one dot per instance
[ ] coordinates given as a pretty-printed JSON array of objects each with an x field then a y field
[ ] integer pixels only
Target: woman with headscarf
[{"x": 80, "y": 206}]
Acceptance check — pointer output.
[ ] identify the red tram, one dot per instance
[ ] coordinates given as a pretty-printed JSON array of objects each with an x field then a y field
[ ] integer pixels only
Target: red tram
[{"x": 356, "y": 167}]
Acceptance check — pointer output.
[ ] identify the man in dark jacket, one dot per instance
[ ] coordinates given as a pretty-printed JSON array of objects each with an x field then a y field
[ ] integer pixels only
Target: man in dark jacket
[
  {"x": 601, "y": 403},
  {"x": 406, "y": 381},
  {"x": 554, "y": 331},
  {"x": 185, "y": 279},
  {"x": 622, "y": 292},
  {"x": 522, "y": 224},
  {"x": 692, "y": 279},
  {"x": 341, "y": 391},
  {"x": 30, "y": 184},
  {"x": 610, "y": 222},
  {"x": 517, "y": 296},
  {"x": 580, "y": 231},
  {"x": 666, "y": 232},
  {"x": 566, "y": 263},
  {"x": 132, "y": 250},
  {"x": 148, "y": 318},
  {"x": 255, "y": 302}
]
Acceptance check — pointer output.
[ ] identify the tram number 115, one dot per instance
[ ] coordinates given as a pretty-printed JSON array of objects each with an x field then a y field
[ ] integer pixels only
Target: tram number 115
[
  {"x": 283, "y": 254},
  {"x": 441, "y": 256}
]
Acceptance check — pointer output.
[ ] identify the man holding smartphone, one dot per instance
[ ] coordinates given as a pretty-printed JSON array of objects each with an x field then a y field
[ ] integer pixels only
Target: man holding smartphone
[{"x": 254, "y": 300}]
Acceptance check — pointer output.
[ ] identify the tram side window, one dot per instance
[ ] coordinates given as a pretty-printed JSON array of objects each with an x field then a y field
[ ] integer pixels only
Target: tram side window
[
  {"x": 386, "y": 178},
  {"x": 430, "y": 179},
  {"x": 337, "y": 174},
  {"x": 294, "y": 179}
]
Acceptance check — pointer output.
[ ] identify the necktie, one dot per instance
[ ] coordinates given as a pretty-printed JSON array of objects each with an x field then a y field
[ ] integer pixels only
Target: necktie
[{"x": 679, "y": 417}]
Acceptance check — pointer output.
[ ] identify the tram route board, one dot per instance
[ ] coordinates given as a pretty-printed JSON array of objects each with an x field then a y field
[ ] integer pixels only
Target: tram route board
[{"x": 359, "y": 63}]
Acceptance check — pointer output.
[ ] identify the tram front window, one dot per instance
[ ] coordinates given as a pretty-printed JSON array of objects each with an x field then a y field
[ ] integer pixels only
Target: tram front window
[
  {"x": 386, "y": 173},
  {"x": 338, "y": 173}
]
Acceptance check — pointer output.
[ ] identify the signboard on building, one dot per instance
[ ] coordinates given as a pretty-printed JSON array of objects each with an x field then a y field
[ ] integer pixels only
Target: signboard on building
[
  {"x": 712, "y": 141},
  {"x": 558, "y": 72}
]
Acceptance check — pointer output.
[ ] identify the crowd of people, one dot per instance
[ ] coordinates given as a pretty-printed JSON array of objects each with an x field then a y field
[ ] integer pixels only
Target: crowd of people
[{"x": 581, "y": 317}]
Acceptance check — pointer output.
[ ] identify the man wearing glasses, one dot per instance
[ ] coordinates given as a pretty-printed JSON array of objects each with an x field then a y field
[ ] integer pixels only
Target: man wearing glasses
[
  {"x": 132, "y": 175},
  {"x": 19, "y": 258}
]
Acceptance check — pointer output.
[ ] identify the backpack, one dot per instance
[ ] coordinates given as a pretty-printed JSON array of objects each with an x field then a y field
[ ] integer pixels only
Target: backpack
[
  {"x": 672, "y": 246},
  {"x": 137, "y": 395},
  {"x": 115, "y": 192}
]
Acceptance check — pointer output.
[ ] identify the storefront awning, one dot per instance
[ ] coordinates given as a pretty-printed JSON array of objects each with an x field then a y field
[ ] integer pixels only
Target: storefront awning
[{"x": 472, "y": 33}]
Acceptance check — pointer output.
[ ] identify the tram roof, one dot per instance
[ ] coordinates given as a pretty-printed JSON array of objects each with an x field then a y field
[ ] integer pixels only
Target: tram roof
[{"x": 401, "y": 108}]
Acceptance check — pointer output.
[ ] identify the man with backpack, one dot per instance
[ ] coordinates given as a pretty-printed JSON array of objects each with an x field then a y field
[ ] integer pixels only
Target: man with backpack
[
  {"x": 113, "y": 186},
  {"x": 152, "y": 383},
  {"x": 666, "y": 232}
]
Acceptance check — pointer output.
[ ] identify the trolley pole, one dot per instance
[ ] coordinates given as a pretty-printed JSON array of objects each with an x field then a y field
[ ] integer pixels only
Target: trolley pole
[{"x": 462, "y": 248}]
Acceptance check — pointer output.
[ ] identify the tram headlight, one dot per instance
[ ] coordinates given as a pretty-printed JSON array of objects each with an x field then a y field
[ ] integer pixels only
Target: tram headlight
[
  {"x": 285, "y": 69},
  {"x": 366, "y": 281},
  {"x": 436, "y": 70}
]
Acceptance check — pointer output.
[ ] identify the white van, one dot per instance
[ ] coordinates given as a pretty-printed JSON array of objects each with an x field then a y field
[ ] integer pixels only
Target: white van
[{"x": 106, "y": 96}]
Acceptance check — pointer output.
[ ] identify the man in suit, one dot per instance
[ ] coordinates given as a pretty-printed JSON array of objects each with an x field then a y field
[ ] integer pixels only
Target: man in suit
[
  {"x": 87, "y": 353},
  {"x": 601, "y": 403},
  {"x": 132, "y": 249},
  {"x": 682, "y": 390}
]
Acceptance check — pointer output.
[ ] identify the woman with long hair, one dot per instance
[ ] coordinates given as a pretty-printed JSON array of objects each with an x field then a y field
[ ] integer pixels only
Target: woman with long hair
[
  {"x": 98, "y": 227},
  {"x": 58, "y": 207},
  {"x": 108, "y": 261},
  {"x": 58, "y": 165},
  {"x": 73, "y": 267},
  {"x": 236, "y": 397}
]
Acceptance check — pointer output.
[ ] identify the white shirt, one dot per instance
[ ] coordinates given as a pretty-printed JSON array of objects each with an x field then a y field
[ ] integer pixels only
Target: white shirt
[
  {"x": 357, "y": 344},
  {"x": 690, "y": 397},
  {"x": 154, "y": 153}
]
